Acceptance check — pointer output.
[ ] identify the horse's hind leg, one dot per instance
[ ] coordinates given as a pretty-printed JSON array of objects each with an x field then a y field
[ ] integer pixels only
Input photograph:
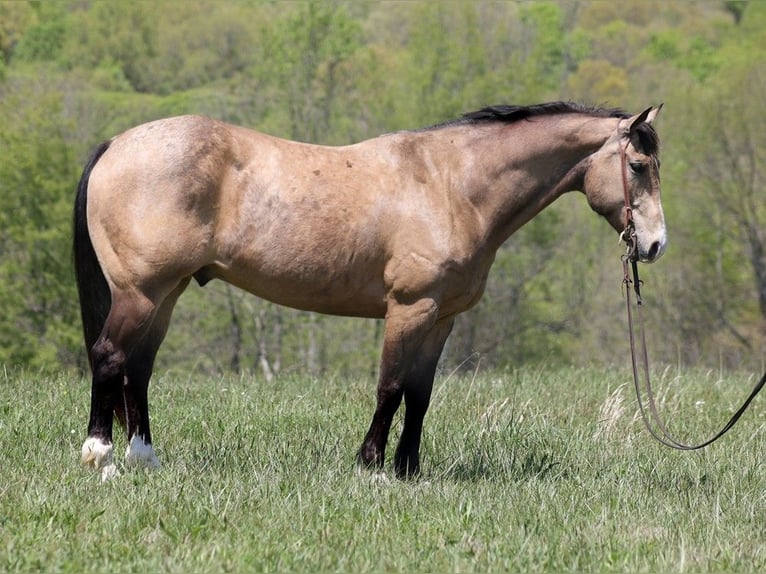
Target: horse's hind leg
[
  {"x": 133, "y": 411},
  {"x": 130, "y": 316}
]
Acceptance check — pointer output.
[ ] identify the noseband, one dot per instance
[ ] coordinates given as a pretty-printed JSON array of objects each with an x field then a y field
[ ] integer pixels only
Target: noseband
[{"x": 651, "y": 417}]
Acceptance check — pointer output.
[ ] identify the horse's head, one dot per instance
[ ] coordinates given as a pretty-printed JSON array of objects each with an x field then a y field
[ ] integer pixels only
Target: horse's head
[{"x": 605, "y": 189}]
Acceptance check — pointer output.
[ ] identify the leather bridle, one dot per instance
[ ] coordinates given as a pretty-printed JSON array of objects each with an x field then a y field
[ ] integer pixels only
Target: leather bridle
[{"x": 651, "y": 417}]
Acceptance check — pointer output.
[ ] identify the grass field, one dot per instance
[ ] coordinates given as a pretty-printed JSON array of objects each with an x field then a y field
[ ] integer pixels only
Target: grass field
[{"x": 526, "y": 471}]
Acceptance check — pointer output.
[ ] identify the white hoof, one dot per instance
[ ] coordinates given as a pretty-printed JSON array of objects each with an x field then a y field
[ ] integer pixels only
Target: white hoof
[
  {"x": 96, "y": 454},
  {"x": 140, "y": 455}
]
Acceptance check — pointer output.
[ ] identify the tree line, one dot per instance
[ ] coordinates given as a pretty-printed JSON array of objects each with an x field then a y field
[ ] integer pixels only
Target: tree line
[{"x": 75, "y": 73}]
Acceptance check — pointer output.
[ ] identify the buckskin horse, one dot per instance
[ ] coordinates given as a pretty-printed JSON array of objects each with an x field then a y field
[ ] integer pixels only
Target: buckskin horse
[{"x": 404, "y": 226}]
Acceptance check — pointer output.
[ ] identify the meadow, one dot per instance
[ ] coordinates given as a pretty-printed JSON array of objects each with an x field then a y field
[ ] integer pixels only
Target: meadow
[{"x": 533, "y": 470}]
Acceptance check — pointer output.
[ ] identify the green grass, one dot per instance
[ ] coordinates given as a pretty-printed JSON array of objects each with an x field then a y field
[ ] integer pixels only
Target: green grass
[{"x": 526, "y": 471}]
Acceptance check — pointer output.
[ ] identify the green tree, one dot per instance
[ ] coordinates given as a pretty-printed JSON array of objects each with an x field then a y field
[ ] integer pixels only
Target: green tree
[
  {"x": 15, "y": 19},
  {"x": 73, "y": 73},
  {"x": 305, "y": 70},
  {"x": 444, "y": 64},
  {"x": 113, "y": 34},
  {"x": 733, "y": 165},
  {"x": 43, "y": 40},
  {"x": 40, "y": 325},
  {"x": 718, "y": 173}
]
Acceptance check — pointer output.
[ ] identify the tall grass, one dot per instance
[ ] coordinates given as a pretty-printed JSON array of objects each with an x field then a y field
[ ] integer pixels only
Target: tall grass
[{"x": 533, "y": 470}]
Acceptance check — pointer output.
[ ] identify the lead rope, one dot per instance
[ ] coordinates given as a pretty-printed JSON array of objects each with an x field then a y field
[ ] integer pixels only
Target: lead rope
[{"x": 654, "y": 423}]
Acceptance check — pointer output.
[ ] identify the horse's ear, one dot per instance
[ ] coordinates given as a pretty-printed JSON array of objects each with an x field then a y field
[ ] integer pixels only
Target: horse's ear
[
  {"x": 653, "y": 114},
  {"x": 638, "y": 119},
  {"x": 628, "y": 125}
]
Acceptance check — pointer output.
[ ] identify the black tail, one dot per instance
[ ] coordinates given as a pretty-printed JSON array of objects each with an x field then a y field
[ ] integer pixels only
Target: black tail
[{"x": 95, "y": 298}]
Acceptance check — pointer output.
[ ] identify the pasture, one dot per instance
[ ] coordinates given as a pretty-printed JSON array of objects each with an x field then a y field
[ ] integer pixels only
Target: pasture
[{"x": 532, "y": 470}]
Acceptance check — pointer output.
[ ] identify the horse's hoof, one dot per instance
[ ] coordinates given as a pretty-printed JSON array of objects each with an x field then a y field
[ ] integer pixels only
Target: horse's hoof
[
  {"x": 140, "y": 454},
  {"x": 370, "y": 458},
  {"x": 96, "y": 454}
]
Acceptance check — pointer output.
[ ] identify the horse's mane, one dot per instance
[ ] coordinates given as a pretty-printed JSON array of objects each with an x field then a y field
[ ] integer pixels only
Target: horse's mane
[{"x": 511, "y": 113}]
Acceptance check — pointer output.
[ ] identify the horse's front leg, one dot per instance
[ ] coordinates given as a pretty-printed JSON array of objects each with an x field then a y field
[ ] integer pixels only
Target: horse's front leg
[
  {"x": 418, "y": 384},
  {"x": 406, "y": 328}
]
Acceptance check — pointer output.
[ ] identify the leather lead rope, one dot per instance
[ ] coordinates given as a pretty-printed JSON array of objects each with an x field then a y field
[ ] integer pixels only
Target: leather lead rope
[{"x": 651, "y": 416}]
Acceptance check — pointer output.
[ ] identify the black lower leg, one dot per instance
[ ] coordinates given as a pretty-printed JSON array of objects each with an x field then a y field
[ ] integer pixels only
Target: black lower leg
[
  {"x": 407, "y": 457},
  {"x": 417, "y": 396},
  {"x": 136, "y": 394},
  {"x": 372, "y": 454},
  {"x": 108, "y": 378}
]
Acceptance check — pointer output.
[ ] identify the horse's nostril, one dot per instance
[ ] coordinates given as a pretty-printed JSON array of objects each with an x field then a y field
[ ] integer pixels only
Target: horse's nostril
[{"x": 654, "y": 250}]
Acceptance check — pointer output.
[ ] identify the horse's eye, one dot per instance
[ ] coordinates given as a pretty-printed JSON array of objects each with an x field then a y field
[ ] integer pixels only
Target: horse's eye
[{"x": 637, "y": 168}]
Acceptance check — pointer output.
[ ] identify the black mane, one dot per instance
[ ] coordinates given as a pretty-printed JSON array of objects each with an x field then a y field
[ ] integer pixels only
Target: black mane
[{"x": 510, "y": 113}]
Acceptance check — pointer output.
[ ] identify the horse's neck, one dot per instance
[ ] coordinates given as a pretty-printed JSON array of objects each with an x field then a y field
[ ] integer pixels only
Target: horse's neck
[{"x": 519, "y": 169}]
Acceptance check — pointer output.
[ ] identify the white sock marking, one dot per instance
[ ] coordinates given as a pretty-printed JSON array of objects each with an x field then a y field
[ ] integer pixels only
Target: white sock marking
[
  {"x": 140, "y": 455},
  {"x": 96, "y": 454}
]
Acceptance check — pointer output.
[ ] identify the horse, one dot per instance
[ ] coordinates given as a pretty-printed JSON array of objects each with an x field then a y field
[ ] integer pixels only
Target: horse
[{"x": 403, "y": 227}]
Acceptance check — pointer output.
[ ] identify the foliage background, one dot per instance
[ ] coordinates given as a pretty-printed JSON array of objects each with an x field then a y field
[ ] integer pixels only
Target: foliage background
[{"x": 77, "y": 72}]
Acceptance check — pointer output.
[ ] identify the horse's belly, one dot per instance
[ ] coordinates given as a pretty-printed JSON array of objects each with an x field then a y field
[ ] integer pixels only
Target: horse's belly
[{"x": 346, "y": 291}]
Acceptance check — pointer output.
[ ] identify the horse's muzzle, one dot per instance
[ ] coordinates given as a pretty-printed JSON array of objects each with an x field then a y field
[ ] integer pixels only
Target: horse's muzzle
[{"x": 653, "y": 252}]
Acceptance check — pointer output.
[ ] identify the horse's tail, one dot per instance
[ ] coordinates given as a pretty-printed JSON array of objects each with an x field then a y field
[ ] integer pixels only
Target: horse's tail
[{"x": 95, "y": 298}]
